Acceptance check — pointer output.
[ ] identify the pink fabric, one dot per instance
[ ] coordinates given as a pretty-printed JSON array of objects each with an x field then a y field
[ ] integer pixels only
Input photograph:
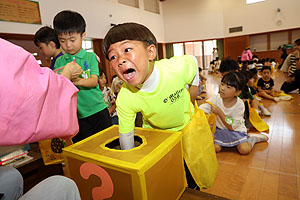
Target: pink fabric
[
  {"x": 35, "y": 103},
  {"x": 246, "y": 55},
  {"x": 250, "y": 54}
]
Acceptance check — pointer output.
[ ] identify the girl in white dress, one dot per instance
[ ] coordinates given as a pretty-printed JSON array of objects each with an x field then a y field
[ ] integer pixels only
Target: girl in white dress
[{"x": 229, "y": 109}]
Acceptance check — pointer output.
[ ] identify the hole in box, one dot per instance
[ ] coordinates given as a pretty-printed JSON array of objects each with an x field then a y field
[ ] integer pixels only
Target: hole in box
[{"x": 115, "y": 144}]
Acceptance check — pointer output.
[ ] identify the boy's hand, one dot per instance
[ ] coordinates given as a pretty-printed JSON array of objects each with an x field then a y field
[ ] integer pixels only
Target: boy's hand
[
  {"x": 71, "y": 71},
  {"x": 268, "y": 91},
  {"x": 77, "y": 81}
]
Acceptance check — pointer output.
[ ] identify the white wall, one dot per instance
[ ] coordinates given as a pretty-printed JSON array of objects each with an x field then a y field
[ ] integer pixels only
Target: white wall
[
  {"x": 181, "y": 20},
  {"x": 97, "y": 16},
  {"x": 187, "y": 20},
  {"x": 260, "y": 17}
]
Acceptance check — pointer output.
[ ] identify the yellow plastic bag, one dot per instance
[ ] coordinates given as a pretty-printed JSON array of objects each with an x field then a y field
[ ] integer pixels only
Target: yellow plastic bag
[
  {"x": 51, "y": 150},
  {"x": 198, "y": 149},
  {"x": 256, "y": 120},
  {"x": 212, "y": 120},
  {"x": 278, "y": 94}
]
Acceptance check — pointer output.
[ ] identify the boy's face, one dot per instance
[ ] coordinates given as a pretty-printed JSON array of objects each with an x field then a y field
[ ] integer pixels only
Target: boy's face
[
  {"x": 296, "y": 47},
  {"x": 47, "y": 49},
  {"x": 71, "y": 42},
  {"x": 266, "y": 74},
  {"x": 131, "y": 60}
]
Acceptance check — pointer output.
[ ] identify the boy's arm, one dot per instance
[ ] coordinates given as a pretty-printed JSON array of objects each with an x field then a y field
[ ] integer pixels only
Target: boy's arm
[
  {"x": 71, "y": 70},
  {"x": 193, "y": 93},
  {"x": 89, "y": 82},
  {"x": 92, "y": 65},
  {"x": 112, "y": 108},
  {"x": 259, "y": 89},
  {"x": 126, "y": 115}
]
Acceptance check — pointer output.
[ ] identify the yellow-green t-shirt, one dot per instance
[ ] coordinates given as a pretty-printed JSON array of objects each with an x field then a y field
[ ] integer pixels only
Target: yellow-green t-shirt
[{"x": 165, "y": 108}]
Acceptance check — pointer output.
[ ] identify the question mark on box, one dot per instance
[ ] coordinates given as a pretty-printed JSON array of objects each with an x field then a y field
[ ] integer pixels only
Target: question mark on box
[{"x": 104, "y": 191}]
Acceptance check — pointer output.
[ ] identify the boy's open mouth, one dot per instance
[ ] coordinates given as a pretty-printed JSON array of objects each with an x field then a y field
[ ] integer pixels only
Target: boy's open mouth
[{"x": 129, "y": 74}]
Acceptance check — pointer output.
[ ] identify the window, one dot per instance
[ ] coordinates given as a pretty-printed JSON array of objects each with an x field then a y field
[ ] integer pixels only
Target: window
[
  {"x": 253, "y": 1},
  {"x": 152, "y": 6},
  {"x": 87, "y": 44},
  {"x": 258, "y": 42},
  {"x": 178, "y": 49},
  {"x": 208, "y": 49},
  {"x": 201, "y": 50},
  {"x": 278, "y": 39},
  {"x": 133, "y": 3},
  {"x": 295, "y": 35}
]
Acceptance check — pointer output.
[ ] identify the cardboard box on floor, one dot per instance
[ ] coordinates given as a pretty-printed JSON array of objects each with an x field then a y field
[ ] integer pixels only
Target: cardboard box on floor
[{"x": 154, "y": 170}]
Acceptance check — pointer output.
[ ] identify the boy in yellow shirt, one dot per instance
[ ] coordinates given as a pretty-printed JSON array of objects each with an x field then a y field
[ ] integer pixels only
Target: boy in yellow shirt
[{"x": 156, "y": 89}]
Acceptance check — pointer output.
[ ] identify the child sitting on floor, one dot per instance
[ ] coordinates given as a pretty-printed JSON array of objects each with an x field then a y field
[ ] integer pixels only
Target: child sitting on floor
[
  {"x": 266, "y": 86},
  {"x": 229, "y": 109},
  {"x": 249, "y": 94},
  {"x": 201, "y": 86}
]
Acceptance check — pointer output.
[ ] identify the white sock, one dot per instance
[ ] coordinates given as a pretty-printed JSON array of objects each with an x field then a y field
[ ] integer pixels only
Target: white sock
[{"x": 254, "y": 138}]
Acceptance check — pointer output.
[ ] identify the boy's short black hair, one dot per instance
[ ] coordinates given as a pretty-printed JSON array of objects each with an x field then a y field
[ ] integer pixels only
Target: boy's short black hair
[
  {"x": 297, "y": 42},
  {"x": 253, "y": 70},
  {"x": 248, "y": 75},
  {"x": 235, "y": 79},
  {"x": 265, "y": 67},
  {"x": 128, "y": 31},
  {"x": 46, "y": 35},
  {"x": 68, "y": 21},
  {"x": 228, "y": 65}
]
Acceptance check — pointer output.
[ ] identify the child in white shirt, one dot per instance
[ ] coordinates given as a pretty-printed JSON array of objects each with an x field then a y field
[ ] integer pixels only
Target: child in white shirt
[{"x": 229, "y": 109}]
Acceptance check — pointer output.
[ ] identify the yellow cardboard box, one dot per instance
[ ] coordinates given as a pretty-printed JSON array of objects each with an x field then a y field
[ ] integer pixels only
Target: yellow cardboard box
[{"x": 154, "y": 170}]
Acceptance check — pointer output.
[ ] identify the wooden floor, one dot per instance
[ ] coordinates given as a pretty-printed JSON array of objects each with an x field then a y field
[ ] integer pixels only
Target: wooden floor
[{"x": 272, "y": 169}]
